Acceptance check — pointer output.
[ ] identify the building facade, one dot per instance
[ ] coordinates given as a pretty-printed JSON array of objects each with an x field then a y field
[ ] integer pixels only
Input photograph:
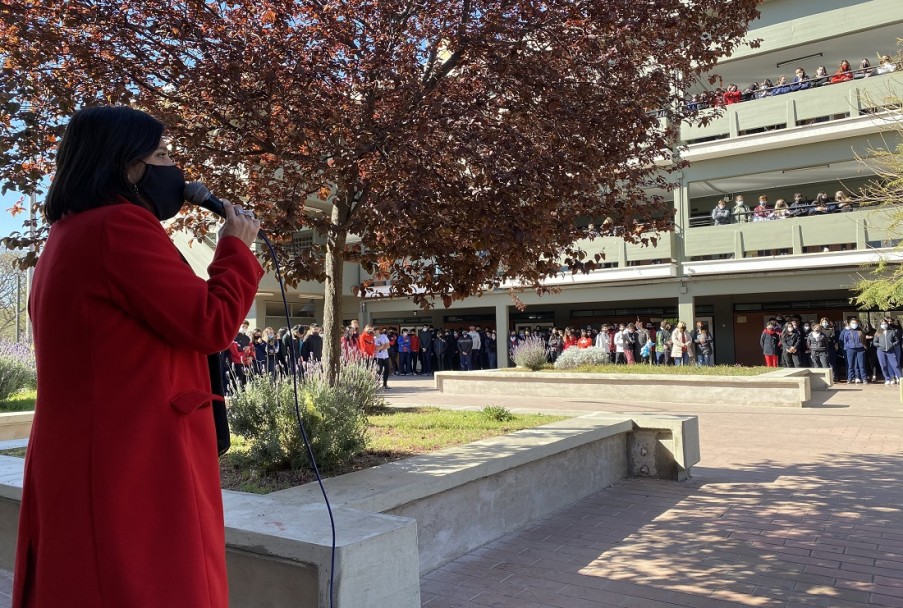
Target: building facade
[{"x": 732, "y": 277}]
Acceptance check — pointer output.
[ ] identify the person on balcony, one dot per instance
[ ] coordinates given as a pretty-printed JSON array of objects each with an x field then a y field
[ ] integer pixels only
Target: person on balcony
[
  {"x": 781, "y": 210},
  {"x": 886, "y": 67},
  {"x": 732, "y": 95},
  {"x": 740, "y": 211},
  {"x": 782, "y": 87},
  {"x": 799, "y": 206},
  {"x": 751, "y": 92},
  {"x": 842, "y": 201},
  {"x": 762, "y": 213},
  {"x": 765, "y": 88},
  {"x": 865, "y": 69},
  {"x": 821, "y": 76},
  {"x": 844, "y": 73},
  {"x": 818, "y": 208},
  {"x": 721, "y": 215},
  {"x": 800, "y": 80}
]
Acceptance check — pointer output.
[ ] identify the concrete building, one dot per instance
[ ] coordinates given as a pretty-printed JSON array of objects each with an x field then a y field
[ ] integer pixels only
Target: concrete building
[{"x": 735, "y": 276}]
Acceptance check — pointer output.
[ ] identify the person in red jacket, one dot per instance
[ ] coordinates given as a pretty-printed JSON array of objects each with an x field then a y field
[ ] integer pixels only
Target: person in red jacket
[
  {"x": 844, "y": 73},
  {"x": 366, "y": 342},
  {"x": 584, "y": 341},
  {"x": 415, "y": 348},
  {"x": 732, "y": 95},
  {"x": 121, "y": 503}
]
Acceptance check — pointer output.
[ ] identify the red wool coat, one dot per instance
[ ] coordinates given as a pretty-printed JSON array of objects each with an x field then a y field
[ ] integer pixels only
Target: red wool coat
[{"x": 121, "y": 505}]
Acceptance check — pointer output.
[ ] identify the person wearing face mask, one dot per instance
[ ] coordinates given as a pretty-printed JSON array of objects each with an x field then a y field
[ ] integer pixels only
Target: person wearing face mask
[
  {"x": 817, "y": 345},
  {"x": 121, "y": 504},
  {"x": 491, "y": 347},
  {"x": 827, "y": 328},
  {"x": 805, "y": 354},
  {"x": 886, "y": 343},
  {"x": 791, "y": 343},
  {"x": 854, "y": 346}
]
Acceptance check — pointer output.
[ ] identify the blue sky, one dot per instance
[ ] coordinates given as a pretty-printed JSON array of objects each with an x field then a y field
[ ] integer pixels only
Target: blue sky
[{"x": 8, "y": 223}]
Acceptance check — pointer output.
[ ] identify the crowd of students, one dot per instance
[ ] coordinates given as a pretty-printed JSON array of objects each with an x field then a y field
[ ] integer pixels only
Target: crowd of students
[
  {"x": 854, "y": 350},
  {"x": 800, "y": 207},
  {"x": 800, "y": 82}
]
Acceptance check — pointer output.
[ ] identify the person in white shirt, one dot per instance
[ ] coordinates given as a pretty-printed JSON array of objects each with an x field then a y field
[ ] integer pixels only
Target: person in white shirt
[
  {"x": 381, "y": 354},
  {"x": 475, "y": 353},
  {"x": 887, "y": 65}
]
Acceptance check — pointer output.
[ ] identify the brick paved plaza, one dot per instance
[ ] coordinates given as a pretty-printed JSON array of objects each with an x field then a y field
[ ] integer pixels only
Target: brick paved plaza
[{"x": 788, "y": 507}]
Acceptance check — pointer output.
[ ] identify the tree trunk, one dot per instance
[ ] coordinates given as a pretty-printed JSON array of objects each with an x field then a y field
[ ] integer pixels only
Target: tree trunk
[{"x": 334, "y": 264}]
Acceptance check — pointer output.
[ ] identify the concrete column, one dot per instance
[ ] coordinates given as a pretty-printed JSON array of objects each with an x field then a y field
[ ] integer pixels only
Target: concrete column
[
  {"x": 734, "y": 123},
  {"x": 622, "y": 254},
  {"x": 257, "y": 315},
  {"x": 686, "y": 308},
  {"x": 501, "y": 332},
  {"x": 797, "y": 239},
  {"x": 860, "y": 235}
]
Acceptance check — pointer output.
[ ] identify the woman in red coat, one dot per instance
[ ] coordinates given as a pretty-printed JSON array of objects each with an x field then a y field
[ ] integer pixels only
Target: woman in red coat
[{"x": 121, "y": 504}]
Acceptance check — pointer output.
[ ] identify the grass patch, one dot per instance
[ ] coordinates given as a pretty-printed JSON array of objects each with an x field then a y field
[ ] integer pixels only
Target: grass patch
[
  {"x": 659, "y": 370},
  {"x": 23, "y": 401},
  {"x": 17, "y": 452},
  {"x": 392, "y": 434}
]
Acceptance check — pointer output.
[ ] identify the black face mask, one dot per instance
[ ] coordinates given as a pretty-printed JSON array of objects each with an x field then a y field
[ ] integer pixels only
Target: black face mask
[{"x": 164, "y": 187}]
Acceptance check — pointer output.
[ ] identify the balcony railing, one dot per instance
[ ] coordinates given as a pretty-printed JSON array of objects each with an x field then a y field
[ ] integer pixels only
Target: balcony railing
[
  {"x": 620, "y": 254},
  {"x": 822, "y": 104},
  {"x": 855, "y": 230}
]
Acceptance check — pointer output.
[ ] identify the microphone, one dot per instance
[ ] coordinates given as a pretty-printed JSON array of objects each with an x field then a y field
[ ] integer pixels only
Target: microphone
[{"x": 198, "y": 194}]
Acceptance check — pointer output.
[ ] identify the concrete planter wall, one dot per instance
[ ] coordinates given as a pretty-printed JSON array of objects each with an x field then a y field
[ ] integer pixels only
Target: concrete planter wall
[
  {"x": 15, "y": 425},
  {"x": 398, "y": 521},
  {"x": 783, "y": 387}
]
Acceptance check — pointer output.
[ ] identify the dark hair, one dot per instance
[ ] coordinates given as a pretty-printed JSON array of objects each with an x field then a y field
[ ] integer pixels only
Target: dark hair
[{"x": 93, "y": 159}]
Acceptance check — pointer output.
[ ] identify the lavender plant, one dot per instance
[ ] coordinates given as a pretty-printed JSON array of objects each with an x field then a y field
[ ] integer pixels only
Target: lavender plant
[
  {"x": 17, "y": 368},
  {"x": 531, "y": 353},
  {"x": 263, "y": 412},
  {"x": 578, "y": 357}
]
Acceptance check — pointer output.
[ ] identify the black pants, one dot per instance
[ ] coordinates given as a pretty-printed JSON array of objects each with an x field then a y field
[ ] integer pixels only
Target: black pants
[
  {"x": 384, "y": 366},
  {"x": 819, "y": 358}
]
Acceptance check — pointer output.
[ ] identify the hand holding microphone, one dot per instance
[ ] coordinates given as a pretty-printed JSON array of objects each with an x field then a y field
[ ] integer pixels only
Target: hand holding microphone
[{"x": 239, "y": 223}]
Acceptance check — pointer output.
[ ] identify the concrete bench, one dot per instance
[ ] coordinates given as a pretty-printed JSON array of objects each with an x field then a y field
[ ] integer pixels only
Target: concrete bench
[
  {"x": 781, "y": 388},
  {"x": 403, "y": 519},
  {"x": 15, "y": 425}
]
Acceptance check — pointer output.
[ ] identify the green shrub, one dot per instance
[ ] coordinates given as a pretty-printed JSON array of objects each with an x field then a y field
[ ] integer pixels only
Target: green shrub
[
  {"x": 498, "y": 413},
  {"x": 577, "y": 357},
  {"x": 263, "y": 412},
  {"x": 17, "y": 368},
  {"x": 531, "y": 353}
]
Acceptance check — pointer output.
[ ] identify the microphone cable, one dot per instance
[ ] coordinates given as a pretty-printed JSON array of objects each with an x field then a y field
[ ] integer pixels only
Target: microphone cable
[{"x": 295, "y": 365}]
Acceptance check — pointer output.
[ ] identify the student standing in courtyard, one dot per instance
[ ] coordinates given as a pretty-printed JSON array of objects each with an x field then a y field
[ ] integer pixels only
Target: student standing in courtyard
[
  {"x": 681, "y": 345},
  {"x": 121, "y": 504},
  {"x": 854, "y": 347},
  {"x": 769, "y": 341}
]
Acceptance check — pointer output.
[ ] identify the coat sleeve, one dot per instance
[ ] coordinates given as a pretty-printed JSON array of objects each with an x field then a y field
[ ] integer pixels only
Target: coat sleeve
[{"x": 149, "y": 280}]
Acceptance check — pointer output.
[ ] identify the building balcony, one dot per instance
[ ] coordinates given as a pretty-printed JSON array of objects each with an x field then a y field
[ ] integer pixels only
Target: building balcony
[
  {"x": 748, "y": 244},
  {"x": 811, "y": 106}
]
